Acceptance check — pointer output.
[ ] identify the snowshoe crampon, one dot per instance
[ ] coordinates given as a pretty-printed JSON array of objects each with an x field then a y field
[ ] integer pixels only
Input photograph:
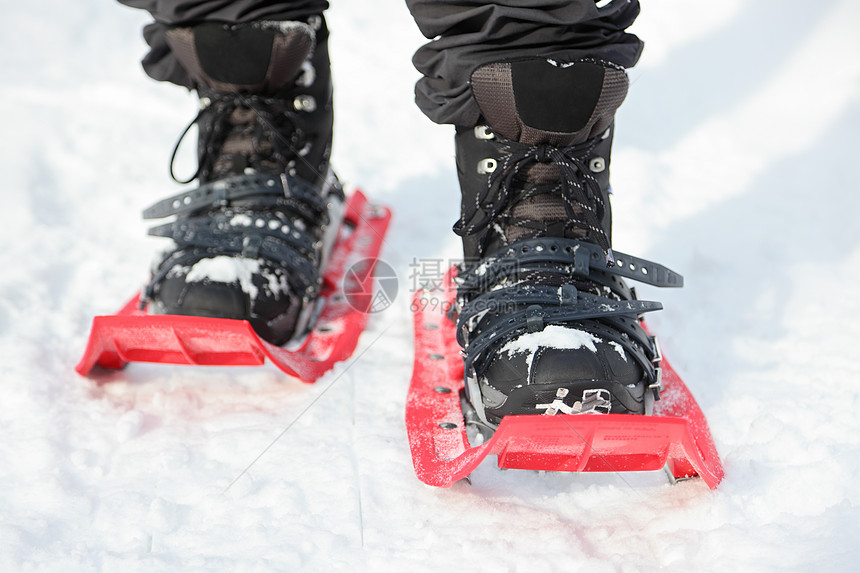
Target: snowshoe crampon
[
  {"x": 676, "y": 437},
  {"x": 132, "y": 335}
]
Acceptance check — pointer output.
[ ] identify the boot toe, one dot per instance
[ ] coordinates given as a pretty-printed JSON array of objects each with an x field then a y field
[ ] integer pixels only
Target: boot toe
[
  {"x": 204, "y": 298},
  {"x": 258, "y": 294},
  {"x": 522, "y": 382}
]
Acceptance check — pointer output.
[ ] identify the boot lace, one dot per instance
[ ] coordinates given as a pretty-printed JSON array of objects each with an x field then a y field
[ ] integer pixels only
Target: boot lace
[
  {"x": 240, "y": 132},
  {"x": 579, "y": 190}
]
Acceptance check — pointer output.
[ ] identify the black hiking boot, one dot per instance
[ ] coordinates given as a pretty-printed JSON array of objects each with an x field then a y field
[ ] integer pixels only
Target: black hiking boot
[
  {"x": 546, "y": 322},
  {"x": 250, "y": 242}
]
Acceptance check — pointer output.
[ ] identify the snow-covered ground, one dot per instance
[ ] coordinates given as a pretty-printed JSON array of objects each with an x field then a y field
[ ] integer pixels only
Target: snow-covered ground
[{"x": 735, "y": 163}]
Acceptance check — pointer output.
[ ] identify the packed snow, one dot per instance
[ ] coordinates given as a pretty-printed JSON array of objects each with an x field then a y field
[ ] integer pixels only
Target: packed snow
[
  {"x": 552, "y": 336},
  {"x": 226, "y": 270},
  {"x": 735, "y": 163}
]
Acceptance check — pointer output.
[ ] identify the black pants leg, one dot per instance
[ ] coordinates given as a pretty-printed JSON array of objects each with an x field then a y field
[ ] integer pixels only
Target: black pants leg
[
  {"x": 465, "y": 35},
  {"x": 161, "y": 64}
]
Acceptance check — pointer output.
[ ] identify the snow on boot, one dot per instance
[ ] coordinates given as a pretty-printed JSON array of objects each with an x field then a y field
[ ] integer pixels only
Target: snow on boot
[
  {"x": 250, "y": 241},
  {"x": 545, "y": 320}
]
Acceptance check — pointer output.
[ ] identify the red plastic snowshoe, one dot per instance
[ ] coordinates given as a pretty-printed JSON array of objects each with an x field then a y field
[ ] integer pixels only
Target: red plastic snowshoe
[
  {"x": 132, "y": 335},
  {"x": 676, "y": 437}
]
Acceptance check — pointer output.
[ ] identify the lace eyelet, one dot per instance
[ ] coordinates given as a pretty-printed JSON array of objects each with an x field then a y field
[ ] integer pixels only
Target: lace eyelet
[
  {"x": 487, "y": 166},
  {"x": 484, "y": 132},
  {"x": 597, "y": 165},
  {"x": 306, "y": 103}
]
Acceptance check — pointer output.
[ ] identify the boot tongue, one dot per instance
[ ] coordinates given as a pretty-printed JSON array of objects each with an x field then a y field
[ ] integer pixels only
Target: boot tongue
[
  {"x": 262, "y": 57},
  {"x": 539, "y": 101}
]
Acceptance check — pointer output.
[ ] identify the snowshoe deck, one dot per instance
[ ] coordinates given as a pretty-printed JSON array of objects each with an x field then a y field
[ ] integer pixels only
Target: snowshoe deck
[
  {"x": 675, "y": 437},
  {"x": 132, "y": 335}
]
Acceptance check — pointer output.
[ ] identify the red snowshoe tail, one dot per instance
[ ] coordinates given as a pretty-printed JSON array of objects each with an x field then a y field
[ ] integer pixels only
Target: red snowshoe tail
[
  {"x": 675, "y": 437},
  {"x": 132, "y": 335}
]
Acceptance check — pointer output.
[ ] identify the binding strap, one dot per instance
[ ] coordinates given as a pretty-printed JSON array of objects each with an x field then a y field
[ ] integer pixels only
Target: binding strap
[
  {"x": 554, "y": 251},
  {"x": 490, "y": 316},
  {"x": 244, "y": 231},
  {"x": 222, "y": 192},
  {"x": 494, "y": 330}
]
